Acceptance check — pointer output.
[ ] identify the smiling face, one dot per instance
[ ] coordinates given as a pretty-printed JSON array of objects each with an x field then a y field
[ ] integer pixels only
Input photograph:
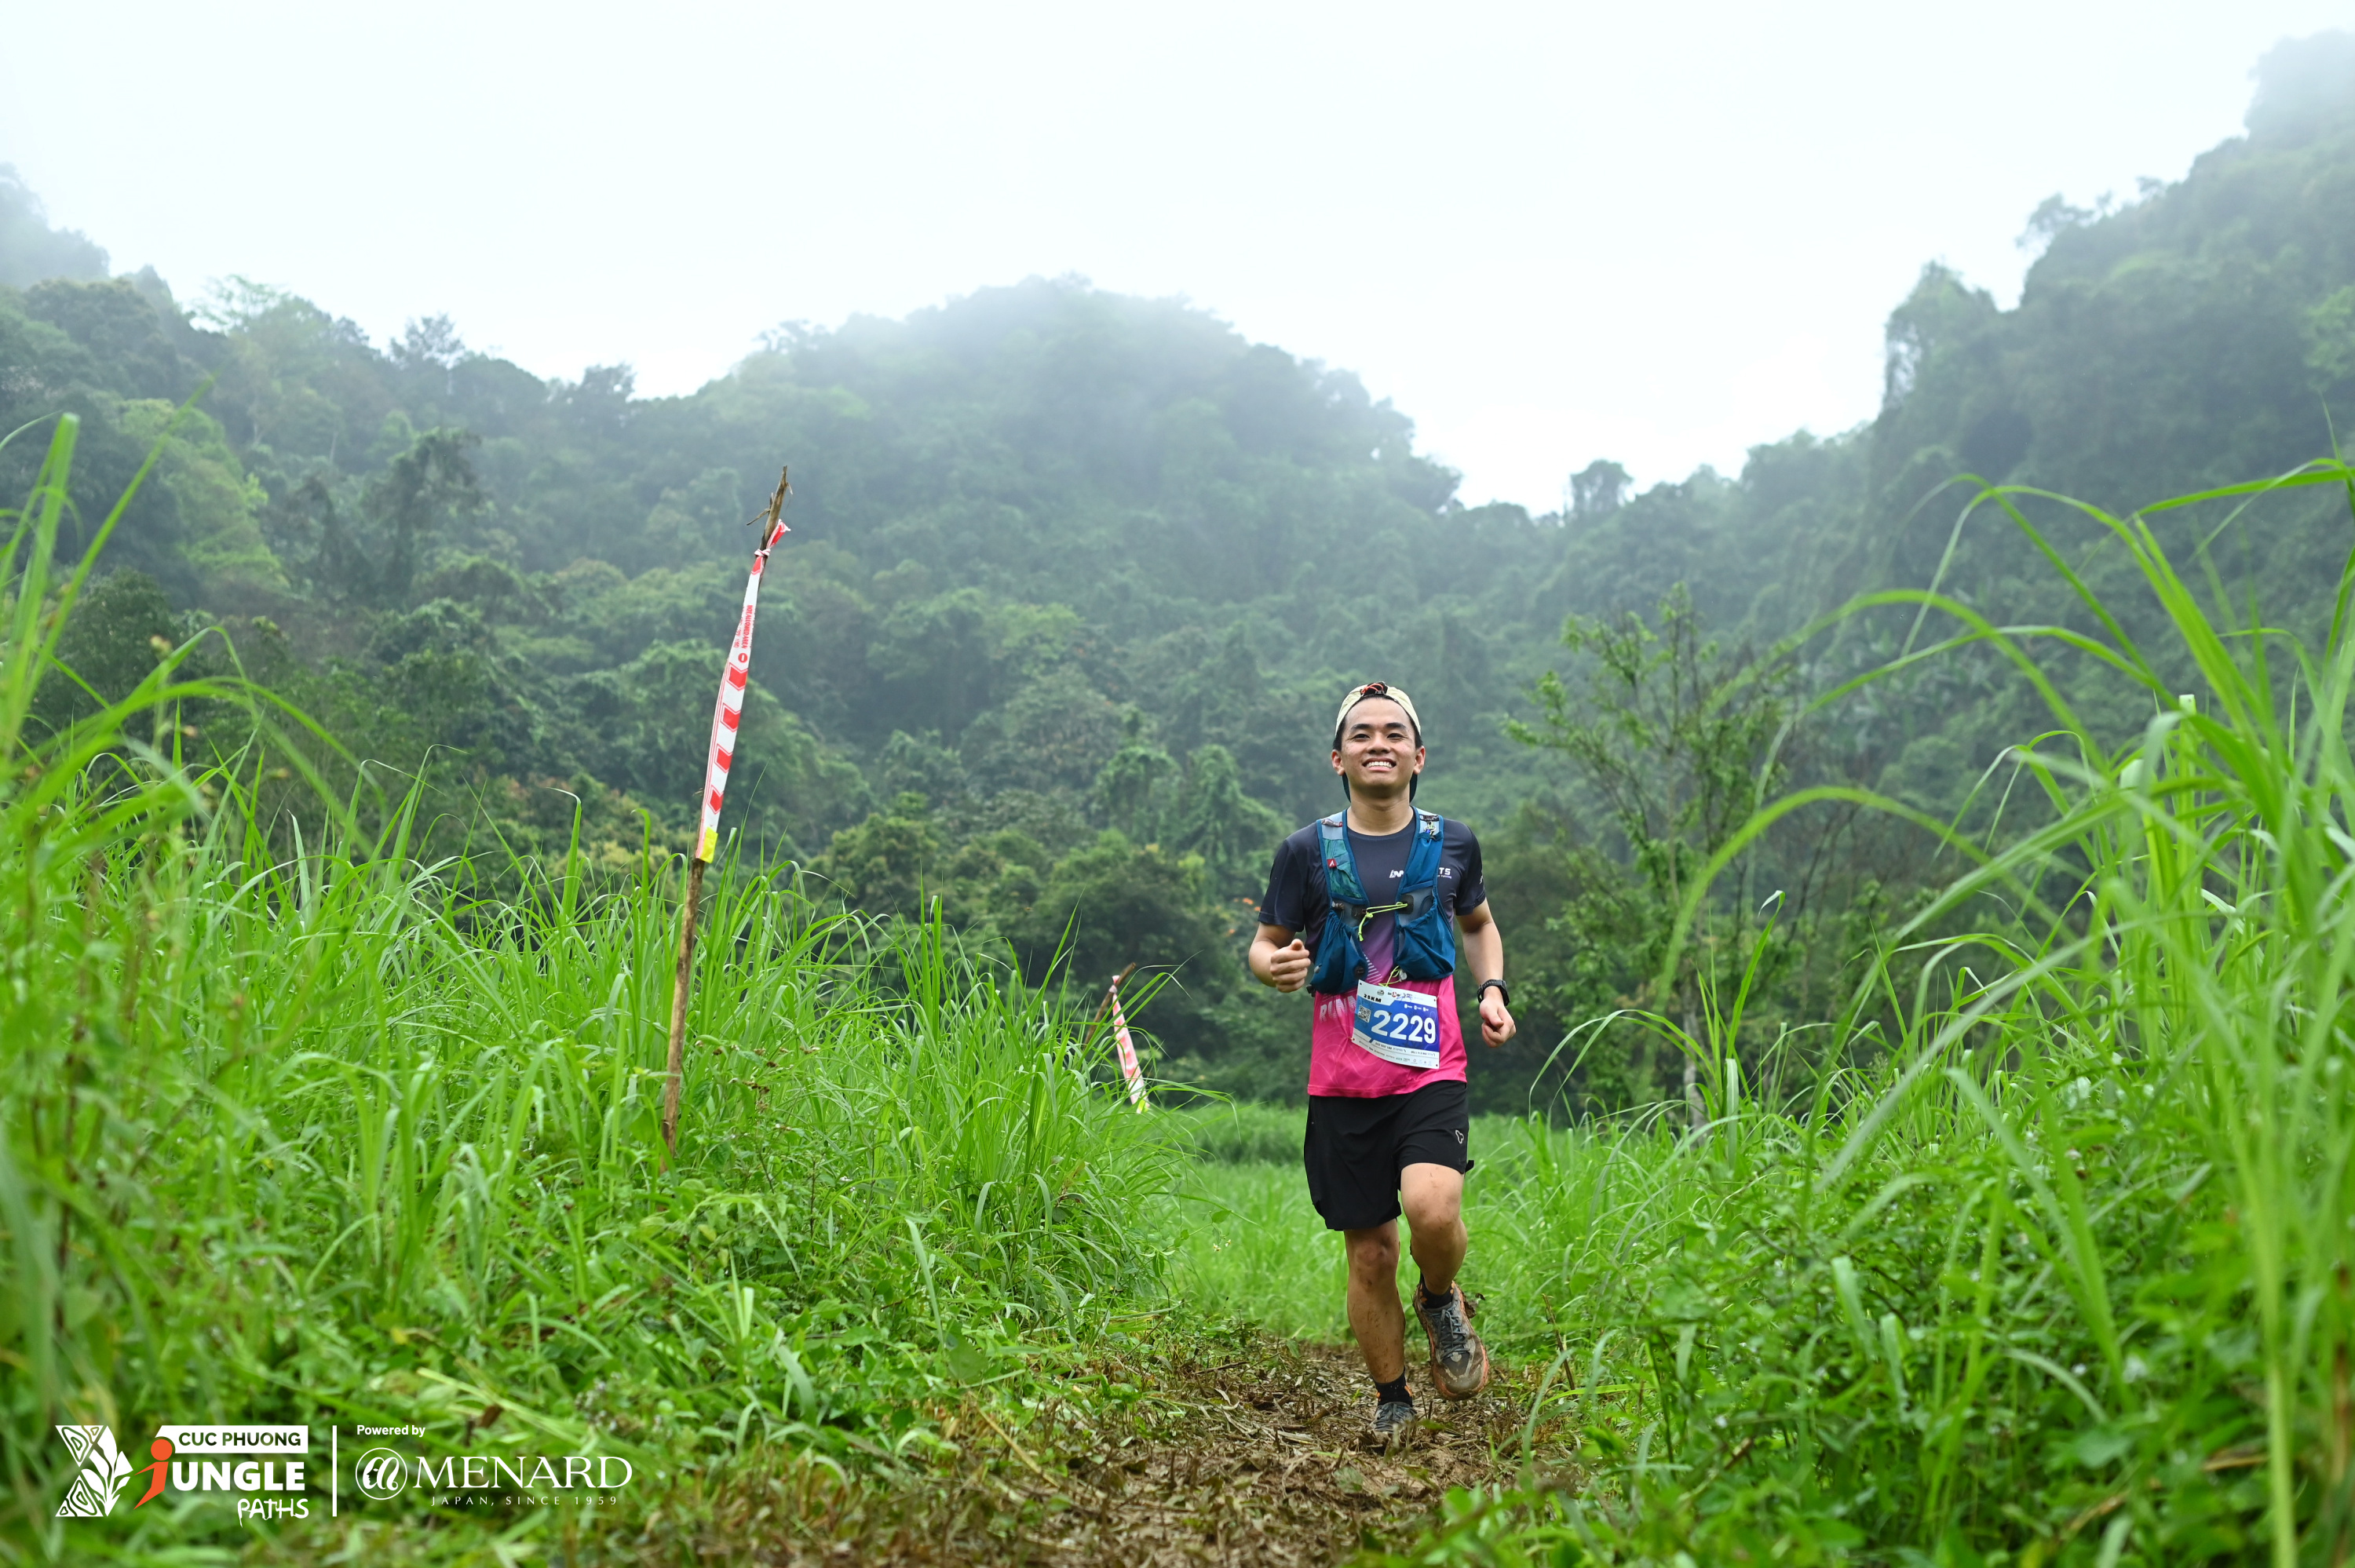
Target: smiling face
[{"x": 1379, "y": 753}]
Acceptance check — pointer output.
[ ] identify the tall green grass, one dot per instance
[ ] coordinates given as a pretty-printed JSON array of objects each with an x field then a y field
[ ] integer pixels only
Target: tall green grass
[
  {"x": 2049, "y": 1262},
  {"x": 2061, "y": 1268},
  {"x": 294, "y": 1130}
]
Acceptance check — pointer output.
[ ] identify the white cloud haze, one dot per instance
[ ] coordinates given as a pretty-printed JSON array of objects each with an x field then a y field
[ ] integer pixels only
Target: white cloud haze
[{"x": 1549, "y": 233}]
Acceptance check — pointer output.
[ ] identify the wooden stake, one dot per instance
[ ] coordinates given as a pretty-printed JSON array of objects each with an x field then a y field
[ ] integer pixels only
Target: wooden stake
[
  {"x": 707, "y": 841},
  {"x": 678, "y": 1006},
  {"x": 1071, "y": 1051},
  {"x": 1106, "y": 1005}
]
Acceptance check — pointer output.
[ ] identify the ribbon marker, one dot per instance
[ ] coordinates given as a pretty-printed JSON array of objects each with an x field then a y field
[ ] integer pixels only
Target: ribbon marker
[
  {"x": 726, "y": 713},
  {"x": 1128, "y": 1064}
]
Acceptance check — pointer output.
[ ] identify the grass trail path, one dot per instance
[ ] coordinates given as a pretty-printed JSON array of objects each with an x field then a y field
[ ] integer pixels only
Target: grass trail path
[
  {"x": 1241, "y": 1453},
  {"x": 1266, "y": 1468}
]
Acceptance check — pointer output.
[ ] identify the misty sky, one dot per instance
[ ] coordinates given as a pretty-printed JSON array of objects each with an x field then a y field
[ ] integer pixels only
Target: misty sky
[{"x": 1549, "y": 233}]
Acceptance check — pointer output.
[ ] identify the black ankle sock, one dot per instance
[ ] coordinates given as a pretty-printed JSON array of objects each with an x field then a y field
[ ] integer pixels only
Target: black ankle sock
[
  {"x": 1429, "y": 1300},
  {"x": 1394, "y": 1392}
]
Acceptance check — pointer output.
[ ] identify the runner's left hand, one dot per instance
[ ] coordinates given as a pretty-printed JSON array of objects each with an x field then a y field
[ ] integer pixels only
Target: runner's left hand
[{"x": 1495, "y": 1019}]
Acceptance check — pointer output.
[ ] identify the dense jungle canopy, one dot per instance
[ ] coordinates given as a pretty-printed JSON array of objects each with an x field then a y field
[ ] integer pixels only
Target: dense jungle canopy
[{"x": 1075, "y": 579}]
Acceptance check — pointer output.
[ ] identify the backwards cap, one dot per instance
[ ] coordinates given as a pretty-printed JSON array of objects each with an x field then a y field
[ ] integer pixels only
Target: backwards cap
[{"x": 1375, "y": 689}]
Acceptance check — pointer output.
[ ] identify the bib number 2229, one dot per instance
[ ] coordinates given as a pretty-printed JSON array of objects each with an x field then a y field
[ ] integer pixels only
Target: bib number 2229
[{"x": 1400, "y": 1026}]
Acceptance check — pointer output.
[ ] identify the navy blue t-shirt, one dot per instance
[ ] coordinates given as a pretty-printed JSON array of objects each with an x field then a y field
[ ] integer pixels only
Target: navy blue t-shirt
[{"x": 1296, "y": 899}]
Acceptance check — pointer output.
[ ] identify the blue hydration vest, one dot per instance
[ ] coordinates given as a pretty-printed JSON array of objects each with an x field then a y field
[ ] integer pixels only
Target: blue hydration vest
[{"x": 1423, "y": 947}]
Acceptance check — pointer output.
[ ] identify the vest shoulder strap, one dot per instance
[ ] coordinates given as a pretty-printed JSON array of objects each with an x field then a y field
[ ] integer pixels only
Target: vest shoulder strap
[
  {"x": 1429, "y": 849},
  {"x": 1341, "y": 884}
]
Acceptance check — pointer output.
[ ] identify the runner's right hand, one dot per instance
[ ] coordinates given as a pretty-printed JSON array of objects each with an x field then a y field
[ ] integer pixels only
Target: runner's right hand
[{"x": 1287, "y": 968}]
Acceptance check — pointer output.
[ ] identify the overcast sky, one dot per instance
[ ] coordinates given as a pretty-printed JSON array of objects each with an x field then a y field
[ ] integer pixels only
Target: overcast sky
[{"x": 1549, "y": 233}]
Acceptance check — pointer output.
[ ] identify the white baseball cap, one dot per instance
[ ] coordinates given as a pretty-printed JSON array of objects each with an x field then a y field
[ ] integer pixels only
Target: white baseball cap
[{"x": 1375, "y": 689}]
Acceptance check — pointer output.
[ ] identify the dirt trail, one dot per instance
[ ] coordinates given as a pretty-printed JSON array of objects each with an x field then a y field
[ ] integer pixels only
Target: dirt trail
[
  {"x": 1268, "y": 1469},
  {"x": 1239, "y": 1453}
]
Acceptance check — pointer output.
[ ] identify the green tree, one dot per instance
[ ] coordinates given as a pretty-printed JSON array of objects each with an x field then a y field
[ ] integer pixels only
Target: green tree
[
  {"x": 1230, "y": 832},
  {"x": 119, "y": 627},
  {"x": 883, "y": 865},
  {"x": 1132, "y": 790},
  {"x": 218, "y": 504},
  {"x": 1121, "y": 903},
  {"x": 1674, "y": 738},
  {"x": 418, "y": 490}
]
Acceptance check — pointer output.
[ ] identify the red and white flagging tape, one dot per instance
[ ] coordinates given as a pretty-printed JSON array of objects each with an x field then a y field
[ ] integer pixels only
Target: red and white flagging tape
[
  {"x": 728, "y": 712},
  {"x": 1129, "y": 1068}
]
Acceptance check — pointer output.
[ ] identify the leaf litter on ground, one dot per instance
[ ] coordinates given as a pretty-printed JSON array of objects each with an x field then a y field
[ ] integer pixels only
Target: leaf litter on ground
[{"x": 1237, "y": 1448}]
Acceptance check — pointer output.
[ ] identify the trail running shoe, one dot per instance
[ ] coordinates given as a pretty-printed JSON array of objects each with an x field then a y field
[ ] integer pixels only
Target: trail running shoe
[
  {"x": 1459, "y": 1361},
  {"x": 1393, "y": 1427}
]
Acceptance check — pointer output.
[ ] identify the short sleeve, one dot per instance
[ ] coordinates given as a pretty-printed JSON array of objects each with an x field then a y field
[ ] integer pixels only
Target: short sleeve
[
  {"x": 1286, "y": 902},
  {"x": 1471, "y": 888}
]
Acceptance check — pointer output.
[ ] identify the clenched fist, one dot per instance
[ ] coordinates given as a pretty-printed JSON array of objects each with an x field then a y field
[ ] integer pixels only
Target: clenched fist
[
  {"x": 1286, "y": 968},
  {"x": 1496, "y": 1023}
]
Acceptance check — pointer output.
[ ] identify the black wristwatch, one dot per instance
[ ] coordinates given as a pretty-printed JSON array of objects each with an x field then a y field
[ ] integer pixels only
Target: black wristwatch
[{"x": 1479, "y": 995}]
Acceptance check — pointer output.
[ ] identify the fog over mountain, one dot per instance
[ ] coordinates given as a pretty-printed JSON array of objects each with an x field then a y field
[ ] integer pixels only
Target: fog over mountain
[{"x": 1656, "y": 234}]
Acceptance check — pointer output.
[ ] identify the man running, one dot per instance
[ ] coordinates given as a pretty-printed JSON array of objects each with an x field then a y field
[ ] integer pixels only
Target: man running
[{"x": 1381, "y": 890}]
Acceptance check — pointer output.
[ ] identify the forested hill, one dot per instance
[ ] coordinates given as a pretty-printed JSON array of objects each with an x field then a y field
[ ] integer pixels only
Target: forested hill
[
  {"x": 1066, "y": 562},
  {"x": 1012, "y": 518}
]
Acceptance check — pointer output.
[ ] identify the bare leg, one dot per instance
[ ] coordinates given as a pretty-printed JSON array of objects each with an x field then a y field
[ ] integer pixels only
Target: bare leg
[
  {"x": 1375, "y": 1316},
  {"x": 1432, "y": 1196}
]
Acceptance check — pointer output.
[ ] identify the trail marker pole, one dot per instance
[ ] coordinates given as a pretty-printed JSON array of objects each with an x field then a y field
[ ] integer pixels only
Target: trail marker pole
[
  {"x": 726, "y": 715},
  {"x": 1106, "y": 1005},
  {"x": 679, "y": 987}
]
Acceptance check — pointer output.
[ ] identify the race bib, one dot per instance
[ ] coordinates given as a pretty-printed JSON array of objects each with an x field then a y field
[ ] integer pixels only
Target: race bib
[{"x": 1399, "y": 1027}]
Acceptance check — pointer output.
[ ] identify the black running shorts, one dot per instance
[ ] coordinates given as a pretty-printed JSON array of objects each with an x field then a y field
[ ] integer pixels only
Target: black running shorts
[{"x": 1356, "y": 1148}]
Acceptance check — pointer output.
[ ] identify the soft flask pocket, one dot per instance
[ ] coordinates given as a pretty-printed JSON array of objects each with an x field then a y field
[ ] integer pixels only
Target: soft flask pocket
[{"x": 1425, "y": 946}]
